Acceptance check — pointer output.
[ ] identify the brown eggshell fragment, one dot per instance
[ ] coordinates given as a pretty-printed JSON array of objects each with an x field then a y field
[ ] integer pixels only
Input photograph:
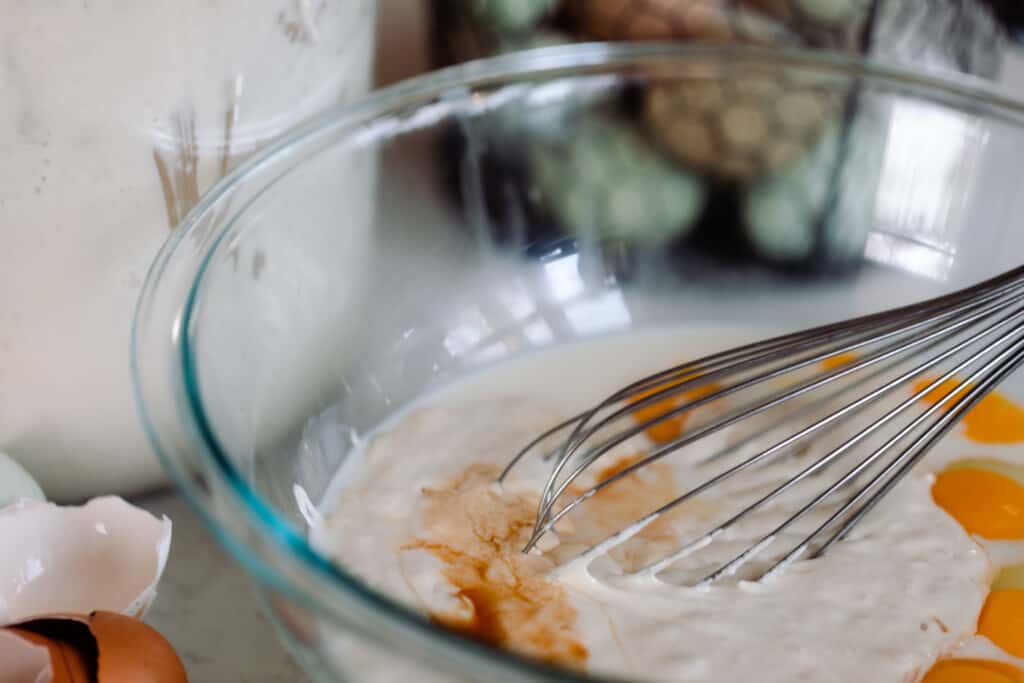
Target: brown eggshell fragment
[
  {"x": 101, "y": 647},
  {"x": 132, "y": 651}
]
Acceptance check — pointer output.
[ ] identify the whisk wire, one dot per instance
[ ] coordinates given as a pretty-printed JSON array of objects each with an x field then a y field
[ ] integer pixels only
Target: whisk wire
[
  {"x": 701, "y": 541},
  {"x": 546, "y": 521},
  {"x": 689, "y": 376},
  {"x": 910, "y": 457},
  {"x": 899, "y": 327},
  {"x": 734, "y": 564},
  {"x": 901, "y": 320},
  {"x": 978, "y": 331}
]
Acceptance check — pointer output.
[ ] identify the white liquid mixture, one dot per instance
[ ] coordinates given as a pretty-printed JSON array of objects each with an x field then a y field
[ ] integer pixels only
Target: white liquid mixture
[{"x": 417, "y": 516}]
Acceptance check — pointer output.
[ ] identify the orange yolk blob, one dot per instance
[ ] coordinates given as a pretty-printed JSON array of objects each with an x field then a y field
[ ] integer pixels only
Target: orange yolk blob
[
  {"x": 973, "y": 671},
  {"x": 836, "y": 362},
  {"x": 995, "y": 419},
  {"x": 671, "y": 428},
  {"x": 1002, "y": 620},
  {"x": 985, "y": 503}
]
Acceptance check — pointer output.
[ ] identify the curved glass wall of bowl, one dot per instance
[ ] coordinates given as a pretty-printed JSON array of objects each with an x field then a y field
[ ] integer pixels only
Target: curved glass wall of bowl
[
  {"x": 920, "y": 233},
  {"x": 575, "y": 175},
  {"x": 259, "y": 374}
]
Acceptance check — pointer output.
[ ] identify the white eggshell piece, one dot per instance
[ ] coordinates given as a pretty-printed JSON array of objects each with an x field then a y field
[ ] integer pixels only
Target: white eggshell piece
[
  {"x": 104, "y": 555},
  {"x": 15, "y": 482},
  {"x": 22, "y": 661}
]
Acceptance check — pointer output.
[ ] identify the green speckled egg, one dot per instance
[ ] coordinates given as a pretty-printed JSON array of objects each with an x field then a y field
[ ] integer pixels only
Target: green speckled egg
[
  {"x": 604, "y": 181},
  {"x": 824, "y": 205}
]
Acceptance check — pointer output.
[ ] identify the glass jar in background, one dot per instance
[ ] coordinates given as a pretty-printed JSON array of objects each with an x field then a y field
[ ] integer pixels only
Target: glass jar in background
[
  {"x": 730, "y": 153},
  {"x": 114, "y": 119}
]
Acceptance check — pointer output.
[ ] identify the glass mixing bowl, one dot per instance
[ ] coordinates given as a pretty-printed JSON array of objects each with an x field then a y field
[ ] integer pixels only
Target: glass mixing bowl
[{"x": 518, "y": 203}]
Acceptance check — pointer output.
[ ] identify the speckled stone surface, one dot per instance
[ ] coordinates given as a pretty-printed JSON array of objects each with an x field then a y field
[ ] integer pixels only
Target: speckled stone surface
[{"x": 208, "y": 610}]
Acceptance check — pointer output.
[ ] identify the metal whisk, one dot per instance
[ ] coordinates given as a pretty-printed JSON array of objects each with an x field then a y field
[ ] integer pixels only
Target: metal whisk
[{"x": 950, "y": 351}]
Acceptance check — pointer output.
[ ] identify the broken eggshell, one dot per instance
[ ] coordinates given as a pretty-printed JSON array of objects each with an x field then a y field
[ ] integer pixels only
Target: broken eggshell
[
  {"x": 68, "y": 657},
  {"x": 104, "y": 555},
  {"x": 23, "y": 660},
  {"x": 101, "y": 647}
]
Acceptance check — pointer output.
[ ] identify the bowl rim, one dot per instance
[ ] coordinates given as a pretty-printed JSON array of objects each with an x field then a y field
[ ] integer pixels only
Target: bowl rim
[{"x": 542, "y": 63}]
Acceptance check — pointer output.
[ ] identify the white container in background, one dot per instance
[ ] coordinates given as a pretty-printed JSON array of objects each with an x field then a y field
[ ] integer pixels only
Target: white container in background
[{"x": 114, "y": 118}]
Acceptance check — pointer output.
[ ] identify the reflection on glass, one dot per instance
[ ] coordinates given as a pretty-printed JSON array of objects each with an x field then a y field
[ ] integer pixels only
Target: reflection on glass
[
  {"x": 471, "y": 329},
  {"x": 931, "y": 157},
  {"x": 603, "y": 313},
  {"x": 563, "y": 276},
  {"x": 908, "y": 254}
]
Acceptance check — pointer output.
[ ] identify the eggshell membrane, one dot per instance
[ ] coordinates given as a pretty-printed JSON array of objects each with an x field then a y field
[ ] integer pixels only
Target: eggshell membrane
[
  {"x": 104, "y": 555},
  {"x": 24, "y": 659}
]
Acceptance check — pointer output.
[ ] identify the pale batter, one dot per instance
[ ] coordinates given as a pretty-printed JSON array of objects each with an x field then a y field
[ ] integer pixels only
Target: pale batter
[{"x": 420, "y": 519}]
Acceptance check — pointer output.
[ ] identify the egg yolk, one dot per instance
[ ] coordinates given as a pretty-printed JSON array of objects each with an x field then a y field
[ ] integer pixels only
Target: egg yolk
[
  {"x": 671, "y": 428},
  {"x": 1002, "y": 620},
  {"x": 973, "y": 671},
  {"x": 836, "y": 362},
  {"x": 985, "y": 503},
  {"x": 995, "y": 419}
]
